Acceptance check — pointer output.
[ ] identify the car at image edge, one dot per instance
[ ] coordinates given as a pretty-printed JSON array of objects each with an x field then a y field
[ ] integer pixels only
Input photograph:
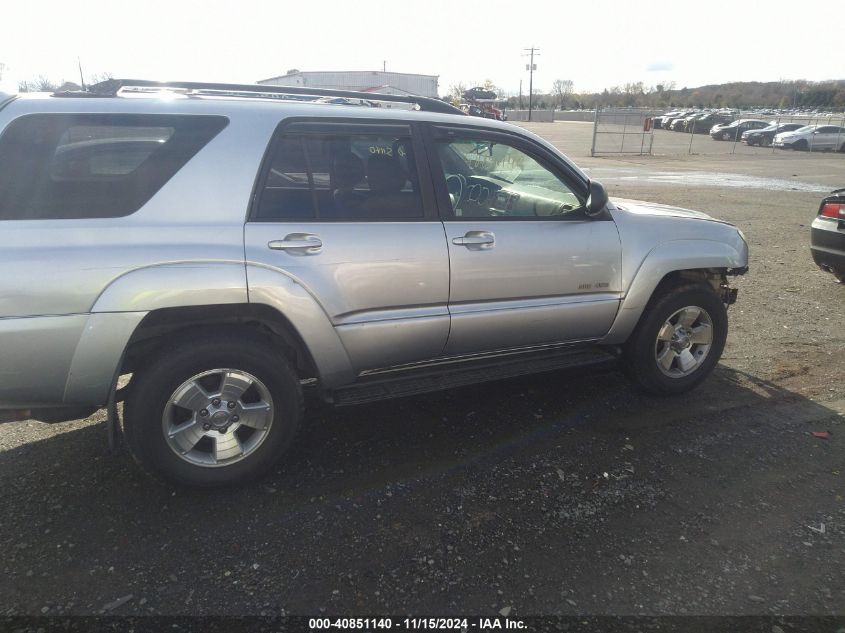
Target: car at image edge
[{"x": 827, "y": 235}]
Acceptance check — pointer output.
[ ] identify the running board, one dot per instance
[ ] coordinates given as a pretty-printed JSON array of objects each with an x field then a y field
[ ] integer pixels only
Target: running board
[{"x": 430, "y": 380}]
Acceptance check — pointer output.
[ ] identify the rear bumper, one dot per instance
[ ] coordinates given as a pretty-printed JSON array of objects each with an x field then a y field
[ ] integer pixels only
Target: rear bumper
[{"x": 827, "y": 244}]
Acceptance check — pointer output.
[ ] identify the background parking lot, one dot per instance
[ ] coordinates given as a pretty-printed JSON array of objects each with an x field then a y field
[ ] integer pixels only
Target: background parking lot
[{"x": 563, "y": 493}]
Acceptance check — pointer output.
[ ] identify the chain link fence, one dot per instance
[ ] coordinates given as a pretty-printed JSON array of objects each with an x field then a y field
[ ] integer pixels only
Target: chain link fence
[
  {"x": 622, "y": 131},
  {"x": 631, "y": 131},
  {"x": 830, "y": 137}
]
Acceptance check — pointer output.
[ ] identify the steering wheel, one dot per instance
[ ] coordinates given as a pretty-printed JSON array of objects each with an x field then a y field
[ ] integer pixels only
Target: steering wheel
[{"x": 456, "y": 185}]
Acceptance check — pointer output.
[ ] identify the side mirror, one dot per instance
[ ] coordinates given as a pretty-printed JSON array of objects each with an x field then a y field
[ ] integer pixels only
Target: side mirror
[{"x": 597, "y": 200}]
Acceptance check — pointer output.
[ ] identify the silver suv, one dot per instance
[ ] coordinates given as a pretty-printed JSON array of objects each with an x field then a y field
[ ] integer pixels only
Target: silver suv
[{"x": 206, "y": 253}]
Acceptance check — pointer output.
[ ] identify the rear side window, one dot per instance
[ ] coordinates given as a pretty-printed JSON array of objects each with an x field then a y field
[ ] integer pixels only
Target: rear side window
[
  {"x": 65, "y": 166},
  {"x": 342, "y": 172}
]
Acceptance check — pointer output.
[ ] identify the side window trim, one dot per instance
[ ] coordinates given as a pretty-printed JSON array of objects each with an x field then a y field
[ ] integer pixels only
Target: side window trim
[
  {"x": 436, "y": 133},
  {"x": 362, "y": 126}
]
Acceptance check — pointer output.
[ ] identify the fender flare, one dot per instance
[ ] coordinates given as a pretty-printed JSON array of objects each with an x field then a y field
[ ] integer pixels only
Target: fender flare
[
  {"x": 666, "y": 258},
  {"x": 278, "y": 290},
  {"x": 123, "y": 304}
]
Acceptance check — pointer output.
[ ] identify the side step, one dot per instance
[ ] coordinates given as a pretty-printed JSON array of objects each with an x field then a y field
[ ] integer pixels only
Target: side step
[{"x": 410, "y": 383}]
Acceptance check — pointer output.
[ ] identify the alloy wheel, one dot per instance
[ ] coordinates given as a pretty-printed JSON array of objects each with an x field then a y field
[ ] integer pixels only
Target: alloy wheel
[
  {"x": 683, "y": 342},
  {"x": 217, "y": 417}
]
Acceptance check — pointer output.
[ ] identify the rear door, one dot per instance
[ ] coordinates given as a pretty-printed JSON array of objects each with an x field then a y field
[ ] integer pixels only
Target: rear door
[
  {"x": 345, "y": 208},
  {"x": 528, "y": 267}
]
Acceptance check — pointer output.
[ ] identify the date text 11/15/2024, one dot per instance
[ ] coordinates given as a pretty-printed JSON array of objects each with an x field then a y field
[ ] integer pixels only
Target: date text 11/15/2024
[{"x": 430, "y": 624}]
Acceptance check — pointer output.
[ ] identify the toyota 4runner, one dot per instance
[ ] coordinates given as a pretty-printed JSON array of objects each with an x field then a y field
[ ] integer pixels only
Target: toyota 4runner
[{"x": 205, "y": 252}]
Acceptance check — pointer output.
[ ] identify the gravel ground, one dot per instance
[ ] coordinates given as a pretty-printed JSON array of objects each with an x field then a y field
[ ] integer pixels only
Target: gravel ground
[{"x": 567, "y": 493}]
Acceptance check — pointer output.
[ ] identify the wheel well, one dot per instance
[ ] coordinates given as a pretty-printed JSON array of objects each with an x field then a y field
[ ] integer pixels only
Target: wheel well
[
  {"x": 161, "y": 328},
  {"x": 716, "y": 278}
]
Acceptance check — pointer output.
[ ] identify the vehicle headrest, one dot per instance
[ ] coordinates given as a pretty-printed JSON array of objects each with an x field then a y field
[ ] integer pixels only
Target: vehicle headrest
[
  {"x": 385, "y": 174},
  {"x": 347, "y": 170}
]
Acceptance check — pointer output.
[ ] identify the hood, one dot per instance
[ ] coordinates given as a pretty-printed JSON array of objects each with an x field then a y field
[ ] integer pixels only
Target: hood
[{"x": 638, "y": 207}]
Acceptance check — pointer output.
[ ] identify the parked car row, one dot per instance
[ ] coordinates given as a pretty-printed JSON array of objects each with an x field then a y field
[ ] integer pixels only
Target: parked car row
[
  {"x": 723, "y": 126},
  {"x": 695, "y": 121}
]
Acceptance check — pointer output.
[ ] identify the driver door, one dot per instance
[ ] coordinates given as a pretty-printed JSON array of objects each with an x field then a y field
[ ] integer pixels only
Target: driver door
[{"x": 527, "y": 266}]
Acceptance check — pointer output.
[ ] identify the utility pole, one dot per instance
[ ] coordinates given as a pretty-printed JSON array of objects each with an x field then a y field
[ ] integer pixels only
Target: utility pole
[
  {"x": 531, "y": 67},
  {"x": 520, "y": 94},
  {"x": 81, "y": 78},
  {"x": 384, "y": 66}
]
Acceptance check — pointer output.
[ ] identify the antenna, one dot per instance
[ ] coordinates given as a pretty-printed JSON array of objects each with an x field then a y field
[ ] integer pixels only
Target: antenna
[{"x": 81, "y": 78}]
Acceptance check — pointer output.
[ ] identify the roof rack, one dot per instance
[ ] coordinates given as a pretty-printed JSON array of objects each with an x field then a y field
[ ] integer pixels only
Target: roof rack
[{"x": 111, "y": 87}]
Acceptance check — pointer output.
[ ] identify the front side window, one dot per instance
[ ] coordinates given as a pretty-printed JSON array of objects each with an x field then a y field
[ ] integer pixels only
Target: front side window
[
  {"x": 491, "y": 179},
  {"x": 344, "y": 175},
  {"x": 70, "y": 166}
]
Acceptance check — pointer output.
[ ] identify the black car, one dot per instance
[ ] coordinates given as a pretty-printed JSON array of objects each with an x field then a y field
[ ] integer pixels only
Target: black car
[
  {"x": 827, "y": 235},
  {"x": 703, "y": 124},
  {"x": 733, "y": 131},
  {"x": 764, "y": 136}
]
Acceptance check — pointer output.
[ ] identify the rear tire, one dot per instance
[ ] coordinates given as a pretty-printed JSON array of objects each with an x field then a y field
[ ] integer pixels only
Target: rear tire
[
  {"x": 678, "y": 341},
  {"x": 216, "y": 410}
]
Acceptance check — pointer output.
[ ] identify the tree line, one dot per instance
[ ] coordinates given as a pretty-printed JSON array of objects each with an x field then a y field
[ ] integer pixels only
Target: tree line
[{"x": 748, "y": 94}]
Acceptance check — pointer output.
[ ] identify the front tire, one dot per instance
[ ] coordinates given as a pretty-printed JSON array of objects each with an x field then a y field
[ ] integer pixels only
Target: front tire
[
  {"x": 678, "y": 341},
  {"x": 215, "y": 410}
]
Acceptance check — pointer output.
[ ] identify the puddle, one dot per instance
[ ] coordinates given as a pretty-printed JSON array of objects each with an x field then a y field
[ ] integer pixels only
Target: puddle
[{"x": 703, "y": 179}]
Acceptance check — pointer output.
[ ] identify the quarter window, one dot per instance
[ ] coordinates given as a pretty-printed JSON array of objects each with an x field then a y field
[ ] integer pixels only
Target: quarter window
[
  {"x": 61, "y": 166},
  {"x": 486, "y": 178},
  {"x": 343, "y": 175}
]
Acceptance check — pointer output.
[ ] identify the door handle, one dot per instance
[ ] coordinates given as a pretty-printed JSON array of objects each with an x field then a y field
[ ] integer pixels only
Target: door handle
[
  {"x": 298, "y": 244},
  {"x": 476, "y": 240}
]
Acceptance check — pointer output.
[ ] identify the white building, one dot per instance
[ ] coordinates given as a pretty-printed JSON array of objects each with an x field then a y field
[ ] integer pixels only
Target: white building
[{"x": 361, "y": 80}]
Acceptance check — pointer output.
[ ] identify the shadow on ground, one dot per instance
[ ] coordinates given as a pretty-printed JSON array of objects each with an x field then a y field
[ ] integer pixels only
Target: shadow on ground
[{"x": 562, "y": 493}]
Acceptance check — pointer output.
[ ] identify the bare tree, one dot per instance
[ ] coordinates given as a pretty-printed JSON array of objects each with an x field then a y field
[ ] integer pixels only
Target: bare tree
[
  {"x": 562, "y": 88},
  {"x": 456, "y": 92},
  {"x": 39, "y": 84},
  {"x": 99, "y": 77},
  {"x": 489, "y": 85}
]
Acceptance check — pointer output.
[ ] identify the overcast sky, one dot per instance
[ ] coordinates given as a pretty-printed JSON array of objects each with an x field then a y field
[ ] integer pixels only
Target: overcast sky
[{"x": 597, "y": 44}]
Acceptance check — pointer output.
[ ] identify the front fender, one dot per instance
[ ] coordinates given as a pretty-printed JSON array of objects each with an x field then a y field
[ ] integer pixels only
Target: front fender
[{"x": 666, "y": 258}]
